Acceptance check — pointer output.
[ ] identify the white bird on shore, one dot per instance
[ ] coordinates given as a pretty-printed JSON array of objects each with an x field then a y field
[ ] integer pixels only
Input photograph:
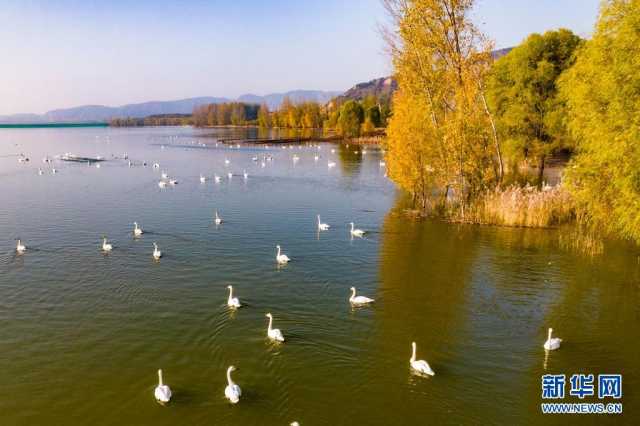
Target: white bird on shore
[
  {"x": 162, "y": 392},
  {"x": 202, "y": 179},
  {"x": 552, "y": 343},
  {"x": 229, "y": 175},
  {"x": 421, "y": 366},
  {"x": 40, "y": 172},
  {"x": 281, "y": 258},
  {"x": 173, "y": 182},
  {"x": 216, "y": 178},
  {"x": 20, "y": 248},
  {"x": 164, "y": 175},
  {"x": 156, "y": 165},
  {"x": 322, "y": 226},
  {"x": 245, "y": 174},
  {"x": 232, "y": 302},
  {"x": 162, "y": 184},
  {"x": 356, "y": 232},
  {"x": 232, "y": 392},
  {"x": 359, "y": 300},
  {"x": 54, "y": 171},
  {"x": 157, "y": 254},
  {"x": 105, "y": 245},
  {"x": 274, "y": 333},
  {"x": 218, "y": 219},
  {"x": 137, "y": 231}
]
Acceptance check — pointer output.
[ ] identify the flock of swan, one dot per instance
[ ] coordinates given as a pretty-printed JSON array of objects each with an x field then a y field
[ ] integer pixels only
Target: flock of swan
[{"x": 233, "y": 392}]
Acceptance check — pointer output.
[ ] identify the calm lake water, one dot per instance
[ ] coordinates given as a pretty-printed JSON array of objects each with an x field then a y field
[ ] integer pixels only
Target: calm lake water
[{"x": 83, "y": 333}]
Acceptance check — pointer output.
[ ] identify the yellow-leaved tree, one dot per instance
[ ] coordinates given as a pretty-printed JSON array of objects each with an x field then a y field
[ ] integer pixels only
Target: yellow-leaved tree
[{"x": 441, "y": 140}]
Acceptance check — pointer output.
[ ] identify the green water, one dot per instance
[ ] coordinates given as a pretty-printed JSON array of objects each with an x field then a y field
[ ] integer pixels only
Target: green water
[{"x": 83, "y": 333}]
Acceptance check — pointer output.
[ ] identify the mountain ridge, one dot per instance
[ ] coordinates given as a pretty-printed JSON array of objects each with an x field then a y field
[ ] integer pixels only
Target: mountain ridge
[{"x": 90, "y": 113}]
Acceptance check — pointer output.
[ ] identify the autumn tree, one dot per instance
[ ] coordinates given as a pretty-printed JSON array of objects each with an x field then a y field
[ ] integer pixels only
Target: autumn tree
[
  {"x": 602, "y": 91},
  {"x": 523, "y": 94},
  {"x": 264, "y": 120},
  {"x": 440, "y": 61}
]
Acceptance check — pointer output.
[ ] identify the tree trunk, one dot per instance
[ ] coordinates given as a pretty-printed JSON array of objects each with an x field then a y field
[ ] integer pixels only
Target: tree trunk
[{"x": 541, "y": 170}]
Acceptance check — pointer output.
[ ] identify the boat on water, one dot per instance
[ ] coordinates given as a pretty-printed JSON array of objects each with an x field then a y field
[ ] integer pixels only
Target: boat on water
[{"x": 79, "y": 159}]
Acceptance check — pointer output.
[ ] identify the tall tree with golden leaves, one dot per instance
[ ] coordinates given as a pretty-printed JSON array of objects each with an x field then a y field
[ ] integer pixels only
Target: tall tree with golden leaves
[{"x": 441, "y": 138}]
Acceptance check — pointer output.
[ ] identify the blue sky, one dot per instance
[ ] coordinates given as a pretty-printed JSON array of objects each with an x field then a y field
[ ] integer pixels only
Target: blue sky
[{"x": 62, "y": 53}]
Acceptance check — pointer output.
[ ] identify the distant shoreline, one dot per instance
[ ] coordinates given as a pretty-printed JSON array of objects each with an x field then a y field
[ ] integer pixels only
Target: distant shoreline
[{"x": 51, "y": 125}]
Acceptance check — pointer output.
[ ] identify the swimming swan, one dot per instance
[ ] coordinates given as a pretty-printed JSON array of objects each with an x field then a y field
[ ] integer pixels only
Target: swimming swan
[
  {"x": 322, "y": 226},
  {"x": 232, "y": 302},
  {"x": 356, "y": 232},
  {"x": 552, "y": 343},
  {"x": 137, "y": 231},
  {"x": 359, "y": 300},
  {"x": 218, "y": 219},
  {"x": 232, "y": 391},
  {"x": 157, "y": 254},
  {"x": 20, "y": 248},
  {"x": 281, "y": 258},
  {"x": 106, "y": 246},
  {"x": 420, "y": 366},
  {"x": 274, "y": 333},
  {"x": 162, "y": 391}
]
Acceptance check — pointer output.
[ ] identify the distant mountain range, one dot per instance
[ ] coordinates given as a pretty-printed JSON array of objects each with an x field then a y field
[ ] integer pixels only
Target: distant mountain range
[
  {"x": 90, "y": 113},
  {"x": 380, "y": 87}
]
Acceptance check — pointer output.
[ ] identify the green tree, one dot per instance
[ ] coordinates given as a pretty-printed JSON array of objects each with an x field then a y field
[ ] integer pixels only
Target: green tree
[
  {"x": 602, "y": 91},
  {"x": 523, "y": 94},
  {"x": 350, "y": 118}
]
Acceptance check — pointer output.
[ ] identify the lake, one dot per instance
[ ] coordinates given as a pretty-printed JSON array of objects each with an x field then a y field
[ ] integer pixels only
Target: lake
[{"x": 82, "y": 333}]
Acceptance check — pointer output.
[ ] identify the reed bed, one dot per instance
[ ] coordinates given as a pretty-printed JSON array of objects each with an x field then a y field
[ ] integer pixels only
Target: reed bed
[{"x": 525, "y": 206}]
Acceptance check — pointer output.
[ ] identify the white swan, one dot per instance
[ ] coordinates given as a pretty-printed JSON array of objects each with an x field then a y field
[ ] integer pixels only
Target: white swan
[
  {"x": 229, "y": 175},
  {"x": 281, "y": 258},
  {"x": 162, "y": 391},
  {"x": 164, "y": 175},
  {"x": 54, "y": 171},
  {"x": 359, "y": 300},
  {"x": 218, "y": 219},
  {"x": 245, "y": 174},
  {"x": 226, "y": 161},
  {"x": 232, "y": 302},
  {"x": 156, "y": 165},
  {"x": 232, "y": 391},
  {"x": 162, "y": 184},
  {"x": 356, "y": 232},
  {"x": 331, "y": 164},
  {"x": 157, "y": 254},
  {"x": 105, "y": 245},
  {"x": 216, "y": 178},
  {"x": 137, "y": 231},
  {"x": 40, "y": 172},
  {"x": 420, "y": 366},
  {"x": 202, "y": 179},
  {"x": 322, "y": 226},
  {"x": 552, "y": 343},
  {"x": 274, "y": 333},
  {"x": 173, "y": 182},
  {"x": 20, "y": 248}
]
